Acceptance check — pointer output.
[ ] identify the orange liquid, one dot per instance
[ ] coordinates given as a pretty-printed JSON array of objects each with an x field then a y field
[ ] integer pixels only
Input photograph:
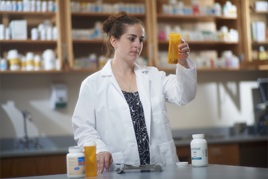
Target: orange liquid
[
  {"x": 90, "y": 161},
  {"x": 173, "y": 51}
]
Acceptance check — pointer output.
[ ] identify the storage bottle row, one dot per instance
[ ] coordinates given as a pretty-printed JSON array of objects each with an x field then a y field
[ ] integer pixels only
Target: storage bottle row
[{"x": 211, "y": 28}]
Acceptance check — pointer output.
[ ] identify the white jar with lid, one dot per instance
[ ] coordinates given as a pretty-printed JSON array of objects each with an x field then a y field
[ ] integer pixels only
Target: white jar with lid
[
  {"x": 199, "y": 152},
  {"x": 75, "y": 162}
]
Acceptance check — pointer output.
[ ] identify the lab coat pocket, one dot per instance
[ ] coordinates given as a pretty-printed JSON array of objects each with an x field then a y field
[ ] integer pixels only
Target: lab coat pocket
[
  {"x": 159, "y": 111},
  {"x": 168, "y": 153}
]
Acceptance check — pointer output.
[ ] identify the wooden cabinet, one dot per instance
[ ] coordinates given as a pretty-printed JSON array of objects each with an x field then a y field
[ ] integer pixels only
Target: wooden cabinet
[
  {"x": 28, "y": 45},
  {"x": 33, "y": 166},
  {"x": 227, "y": 154},
  {"x": 252, "y": 154},
  {"x": 252, "y": 47},
  {"x": 66, "y": 21}
]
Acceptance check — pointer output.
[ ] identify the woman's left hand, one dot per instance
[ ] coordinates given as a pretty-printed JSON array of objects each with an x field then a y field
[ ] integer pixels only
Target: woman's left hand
[{"x": 184, "y": 52}]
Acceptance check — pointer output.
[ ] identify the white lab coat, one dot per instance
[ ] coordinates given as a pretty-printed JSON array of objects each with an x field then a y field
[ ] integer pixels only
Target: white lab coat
[{"x": 102, "y": 114}]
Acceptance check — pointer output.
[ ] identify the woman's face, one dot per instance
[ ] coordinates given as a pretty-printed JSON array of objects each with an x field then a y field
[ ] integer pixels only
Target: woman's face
[{"x": 130, "y": 45}]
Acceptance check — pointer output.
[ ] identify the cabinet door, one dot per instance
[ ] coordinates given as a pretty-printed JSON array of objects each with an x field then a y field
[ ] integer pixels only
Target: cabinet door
[
  {"x": 227, "y": 154},
  {"x": 184, "y": 154},
  {"x": 33, "y": 166}
]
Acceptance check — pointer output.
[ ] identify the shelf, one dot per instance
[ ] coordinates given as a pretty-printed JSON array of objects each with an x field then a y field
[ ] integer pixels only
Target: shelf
[
  {"x": 201, "y": 42},
  {"x": 257, "y": 12},
  {"x": 31, "y": 72},
  {"x": 83, "y": 70},
  {"x": 16, "y": 13},
  {"x": 29, "y": 41},
  {"x": 255, "y": 63},
  {"x": 95, "y": 41},
  {"x": 260, "y": 42},
  {"x": 201, "y": 17},
  {"x": 100, "y": 14},
  {"x": 241, "y": 69}
]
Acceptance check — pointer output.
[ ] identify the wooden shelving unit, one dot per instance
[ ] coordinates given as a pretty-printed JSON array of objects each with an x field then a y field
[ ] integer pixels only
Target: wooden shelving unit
[
  {"x": 67, "y": 20},
  {"x": 35, "y": 46}
]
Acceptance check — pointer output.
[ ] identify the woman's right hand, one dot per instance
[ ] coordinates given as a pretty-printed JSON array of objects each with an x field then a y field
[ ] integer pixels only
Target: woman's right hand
[{"x": 104, "y": 159}]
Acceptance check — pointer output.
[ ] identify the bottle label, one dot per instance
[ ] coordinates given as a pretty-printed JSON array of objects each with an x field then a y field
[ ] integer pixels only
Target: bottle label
[
  {"x": 76, "y": 165},
  {"x": 198, "y": 153}
]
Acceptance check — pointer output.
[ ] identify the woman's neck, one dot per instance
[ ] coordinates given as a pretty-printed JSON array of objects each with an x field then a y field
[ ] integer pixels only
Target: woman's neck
[{"x": 122, "y": 67}]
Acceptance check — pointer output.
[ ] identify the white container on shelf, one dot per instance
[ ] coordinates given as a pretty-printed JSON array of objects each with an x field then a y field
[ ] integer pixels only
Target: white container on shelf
[
  {"x": 26, "y": 5},
  {"x": 49, "y": 33},
  {"x": 19, "y": 6},
  {"x": 8, "y": 6},
  {"x": 50, "y": 6},
  {"x": 3, "y": 6},
  {"x": 14, "y": 61},
  {"x": 14, "y": 6},
  {"x": 49, "y": 59},
  {"x": 37, "y": 63},
  {"x": 7, "y": 33},
  {"x": 23, "y": 63},
  {"x": 34, "y": 34},
  {"x": 3, "y": 64},
  {"x": 18, "y": 29},
  {"x": 44, "y": 6},
  {"x": 2, "y": 32},
  {"x": 38, "y": 6},
  {"x": 55, "y": 33},
  {"x": 33, "y": 6},
  {"x": 43, "y": 34},
  {"x": 29, "y": 61}
]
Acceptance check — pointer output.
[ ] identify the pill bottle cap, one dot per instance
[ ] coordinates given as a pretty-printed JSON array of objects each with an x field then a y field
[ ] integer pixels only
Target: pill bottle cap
[
  {"x": 75, "y": 149},
  {"x": 182, "y": 164},
  {"x": 90, "y": 144},
  {"x": 198, "y": 136}
]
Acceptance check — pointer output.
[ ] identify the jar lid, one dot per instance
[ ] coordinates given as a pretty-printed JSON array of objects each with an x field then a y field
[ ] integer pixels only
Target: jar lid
[
  {"x": 90, "y": 143},
  {"x": 198, "y": 136},
  {"x": 75, "y": 149},
  {"x": 182, "y": 164}
]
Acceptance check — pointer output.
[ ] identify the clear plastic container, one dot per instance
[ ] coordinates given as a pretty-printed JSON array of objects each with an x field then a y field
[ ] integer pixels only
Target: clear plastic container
[{"x": 199, "y": 153}]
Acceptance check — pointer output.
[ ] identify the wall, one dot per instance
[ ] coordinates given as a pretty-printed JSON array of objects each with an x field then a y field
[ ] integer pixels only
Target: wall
[{"x": 223, "y": 98}]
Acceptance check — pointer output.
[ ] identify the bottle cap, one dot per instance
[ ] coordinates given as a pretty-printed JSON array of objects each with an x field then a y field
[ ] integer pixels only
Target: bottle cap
[
  {"x": 75, "y": 149},
  {"x": 89, "y": 144},
  {"x": 182, "y": 164},
  {"x": 198, "y": 136}
]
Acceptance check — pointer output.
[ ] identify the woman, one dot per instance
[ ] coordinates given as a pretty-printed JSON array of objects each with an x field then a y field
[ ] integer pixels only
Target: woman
[{"x": 122, "y": 107}]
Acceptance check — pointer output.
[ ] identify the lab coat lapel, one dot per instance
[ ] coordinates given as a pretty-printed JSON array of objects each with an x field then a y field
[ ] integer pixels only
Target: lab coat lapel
[
  {"x": 107, "y": 72},
  {"x": 143, "y": 84}
]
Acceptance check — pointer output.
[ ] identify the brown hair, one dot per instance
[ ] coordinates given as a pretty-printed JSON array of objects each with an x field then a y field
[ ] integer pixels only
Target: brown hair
[{"x": 116, "y": 26}]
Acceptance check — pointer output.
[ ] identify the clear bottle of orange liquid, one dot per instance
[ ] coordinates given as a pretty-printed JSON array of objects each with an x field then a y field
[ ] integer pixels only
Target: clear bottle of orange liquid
[
  {"x": 173, "y": 51},
  {"x": 90, "y": 159}
]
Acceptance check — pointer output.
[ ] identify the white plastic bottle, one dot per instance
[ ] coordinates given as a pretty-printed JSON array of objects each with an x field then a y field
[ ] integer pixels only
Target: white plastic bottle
[
  {"x": 75, "y": 162},
  {"x": 199, "y": 153}
]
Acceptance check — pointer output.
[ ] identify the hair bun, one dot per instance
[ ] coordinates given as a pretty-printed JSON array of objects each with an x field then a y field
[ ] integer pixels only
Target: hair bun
[{"x": 107, "y": 25}]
